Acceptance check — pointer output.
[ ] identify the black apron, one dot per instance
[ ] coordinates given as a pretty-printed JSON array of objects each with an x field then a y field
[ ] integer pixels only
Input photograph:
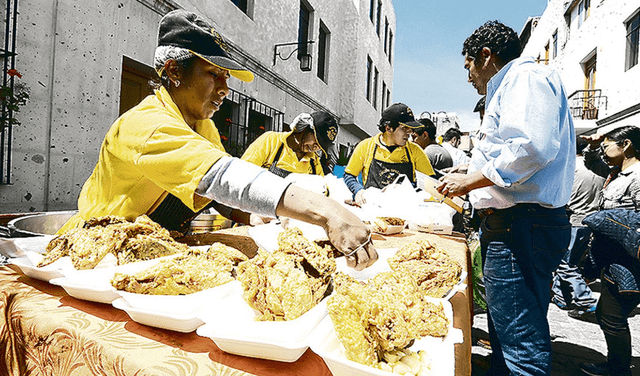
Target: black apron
[
  {"x": 284, "y": 173},
  {"x": 382, "y": 173},
  {"x": 174, "y": 215}
]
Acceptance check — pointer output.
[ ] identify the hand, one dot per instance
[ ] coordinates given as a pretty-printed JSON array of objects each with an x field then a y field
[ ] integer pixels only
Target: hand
[
  {"x": 594, "y": 140},
  {"x": 349, "y": 234},
  {"x": 359, "y": 199},
  {"x": 453, "y": 185}
]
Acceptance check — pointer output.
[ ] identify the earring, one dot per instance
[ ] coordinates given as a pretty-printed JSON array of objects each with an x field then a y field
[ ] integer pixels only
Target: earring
[{"x": 177, "y": 82}]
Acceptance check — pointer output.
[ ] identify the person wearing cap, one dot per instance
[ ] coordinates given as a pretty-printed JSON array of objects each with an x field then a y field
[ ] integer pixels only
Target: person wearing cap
[
  {"x": 284, "y": 153},
  {"x": 425, "y": 136},
  {"x": 163, "y": 158},
  {"x": 385, "y": 156}
]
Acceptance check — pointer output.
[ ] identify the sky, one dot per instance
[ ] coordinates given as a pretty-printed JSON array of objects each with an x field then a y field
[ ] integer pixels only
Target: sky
[{"x": 429, "y": 72}]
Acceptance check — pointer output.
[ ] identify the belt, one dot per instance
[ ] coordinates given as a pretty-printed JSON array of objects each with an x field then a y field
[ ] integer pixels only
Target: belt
[{"x": 484, "y": 213}]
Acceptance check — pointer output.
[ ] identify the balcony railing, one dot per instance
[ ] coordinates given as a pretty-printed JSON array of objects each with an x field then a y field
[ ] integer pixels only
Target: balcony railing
[{"x": 586, "y": 104}]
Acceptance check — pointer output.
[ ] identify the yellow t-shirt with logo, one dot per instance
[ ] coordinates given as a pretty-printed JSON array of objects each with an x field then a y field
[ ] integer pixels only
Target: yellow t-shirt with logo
[
  {"x": 363, "y": 156},
  {"x": 149, "y": 151},
  {"x": 263, "y": 150}
]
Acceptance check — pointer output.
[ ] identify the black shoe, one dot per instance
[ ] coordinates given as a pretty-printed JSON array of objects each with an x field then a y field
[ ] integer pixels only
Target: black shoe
[
  {"x": 595, "y": 369},
  {"x": 582, "y": 313}
]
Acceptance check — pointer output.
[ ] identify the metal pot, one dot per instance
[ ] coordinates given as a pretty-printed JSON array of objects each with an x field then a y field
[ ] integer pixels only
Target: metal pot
[{"x": 38, "y": 224}]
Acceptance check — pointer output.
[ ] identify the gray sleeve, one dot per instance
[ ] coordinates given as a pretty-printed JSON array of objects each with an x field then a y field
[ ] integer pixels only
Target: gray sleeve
[{"x": 242, "y": 185}]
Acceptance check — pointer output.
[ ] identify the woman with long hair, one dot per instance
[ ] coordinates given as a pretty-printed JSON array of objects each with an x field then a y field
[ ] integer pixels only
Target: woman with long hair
[{"x": 614, "y": 155}]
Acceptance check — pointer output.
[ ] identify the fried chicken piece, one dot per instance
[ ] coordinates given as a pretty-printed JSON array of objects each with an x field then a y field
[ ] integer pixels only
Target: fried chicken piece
[
  {"x": 128, "y": 241},
  {"x": 434, "y": 270},
  {"x": 189, "y": 272},
  {"x": 385, "y": 314},
  {"x": 285, "y": 284}
]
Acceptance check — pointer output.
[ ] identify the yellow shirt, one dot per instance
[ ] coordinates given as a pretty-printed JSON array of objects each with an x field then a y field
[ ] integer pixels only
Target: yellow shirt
[
  {"x": 149, "y": 151},
  {"x": 263, "y": 150},
  {"x": 363, "y": 156}
]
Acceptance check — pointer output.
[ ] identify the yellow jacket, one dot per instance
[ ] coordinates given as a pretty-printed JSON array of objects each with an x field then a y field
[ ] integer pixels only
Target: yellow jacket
[
  {"x": 363, "y": 156},
  {"x": 263, "y": 150},
  {"x": 149, "y": 151}
]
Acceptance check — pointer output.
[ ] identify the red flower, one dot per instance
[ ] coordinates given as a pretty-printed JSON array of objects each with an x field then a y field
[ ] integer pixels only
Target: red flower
[
  {"x": 261, "y": 127},
  {"x": 14, "y": 72},
  {"x": 223, "y": 138}
]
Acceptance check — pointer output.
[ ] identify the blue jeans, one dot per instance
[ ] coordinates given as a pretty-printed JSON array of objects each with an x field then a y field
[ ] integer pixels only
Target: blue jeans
[
  {"x": 569, "y": 287},
  {"x": 522, "y": 246}
]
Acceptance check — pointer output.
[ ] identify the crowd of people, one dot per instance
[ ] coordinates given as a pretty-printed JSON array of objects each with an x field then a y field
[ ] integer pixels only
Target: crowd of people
[{"x": 541, "y": 193}]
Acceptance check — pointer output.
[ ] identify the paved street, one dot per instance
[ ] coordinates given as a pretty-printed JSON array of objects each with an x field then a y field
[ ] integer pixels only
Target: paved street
[{"x": 574, "y": 341}]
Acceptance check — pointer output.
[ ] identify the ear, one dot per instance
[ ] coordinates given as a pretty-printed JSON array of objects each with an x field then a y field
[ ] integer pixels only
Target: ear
[
  {"x": 172, "y": 69},
  {"x": 485, "y": 53}
]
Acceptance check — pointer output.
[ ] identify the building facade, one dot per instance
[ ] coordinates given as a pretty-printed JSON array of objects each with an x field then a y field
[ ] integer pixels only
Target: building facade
[
  {"x": 85, "y": 63},
  {"x": 594, "y": 45}
]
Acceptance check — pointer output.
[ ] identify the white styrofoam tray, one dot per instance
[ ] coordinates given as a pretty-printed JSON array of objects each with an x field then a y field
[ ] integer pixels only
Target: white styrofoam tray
[
  {"x": 184, "y": 323},
  {"x": 441, "y": 351},
  {"x": 234, "y": 329}
]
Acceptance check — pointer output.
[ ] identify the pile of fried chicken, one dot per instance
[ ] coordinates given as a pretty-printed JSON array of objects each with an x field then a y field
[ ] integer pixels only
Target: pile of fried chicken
[
  {"x": 288, "y": 282},
  {"x": 142, "y": 239},
  {"x": 388, "y": 312}
]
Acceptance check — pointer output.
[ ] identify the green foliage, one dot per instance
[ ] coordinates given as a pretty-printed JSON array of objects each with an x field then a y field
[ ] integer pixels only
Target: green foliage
[{"x": 10, "y": 101}]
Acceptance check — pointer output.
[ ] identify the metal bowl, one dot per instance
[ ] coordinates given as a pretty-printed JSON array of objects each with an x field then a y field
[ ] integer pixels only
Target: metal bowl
[{"x": 39, "y": 224}]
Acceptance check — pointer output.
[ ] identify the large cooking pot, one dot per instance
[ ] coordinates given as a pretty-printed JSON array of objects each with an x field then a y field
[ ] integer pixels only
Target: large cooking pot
[{"x": 38, "y": 224}]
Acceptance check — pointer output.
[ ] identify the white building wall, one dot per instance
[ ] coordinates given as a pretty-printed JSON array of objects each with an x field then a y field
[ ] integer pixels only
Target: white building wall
[
  {"x": 603, "y": 33},
  {"x": 70, "y": 54}
]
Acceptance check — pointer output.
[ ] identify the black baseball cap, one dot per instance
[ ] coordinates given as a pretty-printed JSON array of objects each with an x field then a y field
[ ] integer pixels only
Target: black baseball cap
[
  {"x": 181, "y": 28},
  {"x": 325, "y": 128},
  {"x": 401, "y": 113}
]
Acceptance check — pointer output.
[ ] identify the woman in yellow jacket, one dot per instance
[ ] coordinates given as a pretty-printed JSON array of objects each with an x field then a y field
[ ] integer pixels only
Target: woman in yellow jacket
[
  {"x": 163, "y": 158},
  {"x": 284, "y": 153}
]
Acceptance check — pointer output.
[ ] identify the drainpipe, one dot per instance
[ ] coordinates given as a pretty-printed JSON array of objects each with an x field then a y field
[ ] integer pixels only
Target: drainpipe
[{"x": 54, "y": 26}]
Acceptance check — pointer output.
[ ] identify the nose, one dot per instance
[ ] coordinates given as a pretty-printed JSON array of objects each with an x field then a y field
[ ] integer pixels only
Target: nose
[{"x": 222, "y": 87}]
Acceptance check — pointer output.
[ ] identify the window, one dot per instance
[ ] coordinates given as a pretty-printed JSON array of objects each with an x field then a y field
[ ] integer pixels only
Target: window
[
  {"x": 303, "y": 30},
  {"x": 369, "y": 73},
  {"x": 384, "y": 96},
  {"x": 386, "y": 35},
  {"x": 379, "y": 15},
  {"x": 372, "y": 9},
  {"x": 376, "y": 75},
  {"x": 323, "y": 52},
  {"x": 242, "y": 5},
  {"x": 584, "y": 8},
  {"x": 555, "y": 45},
  {"x": 388, "y": 99},
  {"x": 546, "y": 54},
  {"x": 633, "y": 38},
  {"x": 390, "y": 44}
]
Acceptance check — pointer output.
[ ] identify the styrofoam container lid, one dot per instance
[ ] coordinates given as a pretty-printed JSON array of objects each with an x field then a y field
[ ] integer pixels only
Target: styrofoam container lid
[
  {"x": 184, "y": 323},
  {"x": 176, "y": 304},
  {"x": 235, "y": 330}
]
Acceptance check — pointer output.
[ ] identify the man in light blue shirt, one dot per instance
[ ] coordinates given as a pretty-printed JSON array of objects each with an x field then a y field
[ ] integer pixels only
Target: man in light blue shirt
[{"x": 519, "y": 179}]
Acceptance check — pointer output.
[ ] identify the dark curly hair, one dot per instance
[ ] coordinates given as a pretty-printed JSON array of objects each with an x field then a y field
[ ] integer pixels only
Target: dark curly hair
[{"x": 499, "y": 38}]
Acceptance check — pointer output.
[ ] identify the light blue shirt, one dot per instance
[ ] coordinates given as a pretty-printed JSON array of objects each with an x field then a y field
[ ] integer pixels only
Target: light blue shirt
[{"x": 526, "y": 142}]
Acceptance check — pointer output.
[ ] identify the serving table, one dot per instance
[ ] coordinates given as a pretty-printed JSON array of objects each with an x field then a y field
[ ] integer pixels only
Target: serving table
[{"x": 43, "y": 331}]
